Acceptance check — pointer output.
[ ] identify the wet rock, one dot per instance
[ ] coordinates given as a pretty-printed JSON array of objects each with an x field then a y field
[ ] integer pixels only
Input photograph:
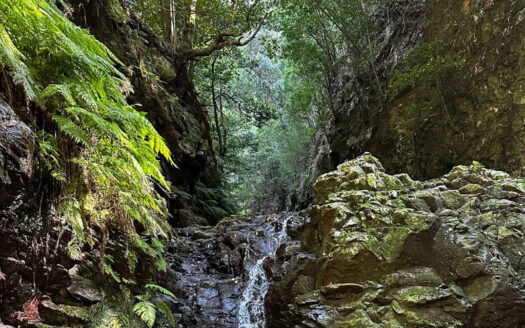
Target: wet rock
[
  {"x": 209, "y": 267},
  {"x": 84, "y": 289},
  {"x": 17, "y": 155}
]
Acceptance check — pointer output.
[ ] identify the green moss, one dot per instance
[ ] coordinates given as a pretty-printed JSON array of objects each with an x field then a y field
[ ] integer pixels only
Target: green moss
[
  {"x": 358, "y": 319},
  {"x": 480, "y": 288},
  {"x": 421, "y": 294}
]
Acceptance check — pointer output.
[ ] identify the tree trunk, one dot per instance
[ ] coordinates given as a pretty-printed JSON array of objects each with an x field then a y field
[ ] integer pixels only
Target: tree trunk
[
  {"x": 170, "y": 23},
  {"x": 215, "y": 106}
]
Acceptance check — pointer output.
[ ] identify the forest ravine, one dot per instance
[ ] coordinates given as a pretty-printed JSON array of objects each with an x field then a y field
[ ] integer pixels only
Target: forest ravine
[{"x": 262, "y": 163}]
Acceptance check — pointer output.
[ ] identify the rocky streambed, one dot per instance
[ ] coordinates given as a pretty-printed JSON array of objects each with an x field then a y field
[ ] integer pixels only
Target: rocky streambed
[
  {"x": 221, "y": 275},
  {"x": 375, "y": 250}
]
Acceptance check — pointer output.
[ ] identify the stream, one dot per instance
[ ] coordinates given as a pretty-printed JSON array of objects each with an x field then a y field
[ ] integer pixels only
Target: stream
[
  {"x": 251, "y": 307},
  {"x": 219, "y": 274}
]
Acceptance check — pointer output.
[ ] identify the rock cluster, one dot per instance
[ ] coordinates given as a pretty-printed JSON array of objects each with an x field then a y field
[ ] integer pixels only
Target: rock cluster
[{"x": 386, "y": 251}]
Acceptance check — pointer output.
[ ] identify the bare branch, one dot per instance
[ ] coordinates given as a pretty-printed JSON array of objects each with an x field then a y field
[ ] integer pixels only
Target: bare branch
[{"x": 223, "y": 40}]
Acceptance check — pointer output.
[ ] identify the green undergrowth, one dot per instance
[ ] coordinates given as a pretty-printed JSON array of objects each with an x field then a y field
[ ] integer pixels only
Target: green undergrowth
[
  {"x": 427, "y": 63},
  {"x": 123, "y": 309},
  {"x": 426, "y": 74}
]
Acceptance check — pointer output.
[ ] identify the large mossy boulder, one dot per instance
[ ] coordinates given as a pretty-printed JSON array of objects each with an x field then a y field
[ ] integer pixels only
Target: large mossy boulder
[{"x": 387, "y": 251}]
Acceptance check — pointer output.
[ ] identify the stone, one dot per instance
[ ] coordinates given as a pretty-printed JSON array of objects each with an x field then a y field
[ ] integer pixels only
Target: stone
[
  {"x": 452, "y": 199},
  {"x": 514, "y": 186},
  {"x": 421, "y": 294},
  {"x": 341, "y": 290},
  {"x": 63, "y": 314},
  {"x": 481, "y": 288},
  {"x": 474, "y": 189},
  {"x": 302, "y": 285},
  {"x": 83, "y": 288}
]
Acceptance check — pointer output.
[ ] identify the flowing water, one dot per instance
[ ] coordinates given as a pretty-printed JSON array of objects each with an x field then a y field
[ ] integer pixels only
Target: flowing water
[{"x": 251, "y": 308}]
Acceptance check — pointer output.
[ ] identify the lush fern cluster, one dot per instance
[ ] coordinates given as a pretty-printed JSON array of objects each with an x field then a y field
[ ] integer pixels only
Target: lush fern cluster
[
  {"x": 123, "y": 310},
  {"x": 104, "y": 152}
]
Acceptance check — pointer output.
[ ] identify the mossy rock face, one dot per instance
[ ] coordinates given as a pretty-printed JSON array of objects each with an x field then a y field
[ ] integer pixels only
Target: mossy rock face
[
  {"x": 416, "y": 254},
  {"x": 473, "y": 112}
]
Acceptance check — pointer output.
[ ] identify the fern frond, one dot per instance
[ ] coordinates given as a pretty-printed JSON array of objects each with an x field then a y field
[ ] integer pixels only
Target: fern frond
[
  {"x": 11, "y": 57},
  {"x": 164, "y": 308},
  {"x": 72, "y": 130},
  {"x": 110, "y": 321},
  {"x": 74, "y": 249},
  {"x": 70, "y": 212},
  {"x": 108, "y": 269},
  {"x": 160, "y": 289},
  {"x": 146, "y": 311}
]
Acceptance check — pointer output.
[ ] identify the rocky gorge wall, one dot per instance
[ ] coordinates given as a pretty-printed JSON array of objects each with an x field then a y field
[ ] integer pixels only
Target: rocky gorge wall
[
  {"x": 39, "y": 282},
  {"x": 376, "y": 250},
  {"x": 473, "y": 111}
]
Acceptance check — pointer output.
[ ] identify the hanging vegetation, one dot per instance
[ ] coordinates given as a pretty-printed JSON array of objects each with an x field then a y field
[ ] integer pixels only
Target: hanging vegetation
[{"x": 104, "y": 153}]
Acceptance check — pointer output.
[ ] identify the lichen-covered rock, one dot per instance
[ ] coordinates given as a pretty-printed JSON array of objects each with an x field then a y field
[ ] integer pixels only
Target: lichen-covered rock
[{"x": 390, "y": 253}]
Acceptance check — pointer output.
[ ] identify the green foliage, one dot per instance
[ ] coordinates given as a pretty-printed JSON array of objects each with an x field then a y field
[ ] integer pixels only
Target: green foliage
[
  {"x": 146, "y": 311},
  {"x": 212, "y": 17},
  {"x": 425, "y": 64},
  {"x": 11, "y": 57},
  {"x": 75, "y": 249},
  {"x": 167, "y": 312},
  {"x": 269, "y": 115},
  {"x": 105, "y": 151},
  {"x": 414, "y": 114},
  {"x": 108, "y": 269},
  {"x": 124, "y": 310},
  {"x": 50, "y": 155},
  {"x": 428, "y": 68},
  {"x": 159, "y": 289},
  {"x": 212, "y": 201}
]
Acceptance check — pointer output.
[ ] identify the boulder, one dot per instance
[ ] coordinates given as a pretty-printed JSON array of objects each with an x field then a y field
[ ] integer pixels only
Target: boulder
[
  {"x": 383, "y": 259},
  {"x": 83, "y": 288}
]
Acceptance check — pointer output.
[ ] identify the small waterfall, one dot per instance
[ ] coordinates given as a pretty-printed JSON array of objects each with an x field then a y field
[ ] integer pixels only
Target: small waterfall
[{"x": 251, "y": 308}]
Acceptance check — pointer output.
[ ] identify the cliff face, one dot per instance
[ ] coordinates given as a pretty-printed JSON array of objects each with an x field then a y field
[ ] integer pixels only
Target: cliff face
[
  {"x": 474, "y": 111},
  {"x": 359, "y": 104}
]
